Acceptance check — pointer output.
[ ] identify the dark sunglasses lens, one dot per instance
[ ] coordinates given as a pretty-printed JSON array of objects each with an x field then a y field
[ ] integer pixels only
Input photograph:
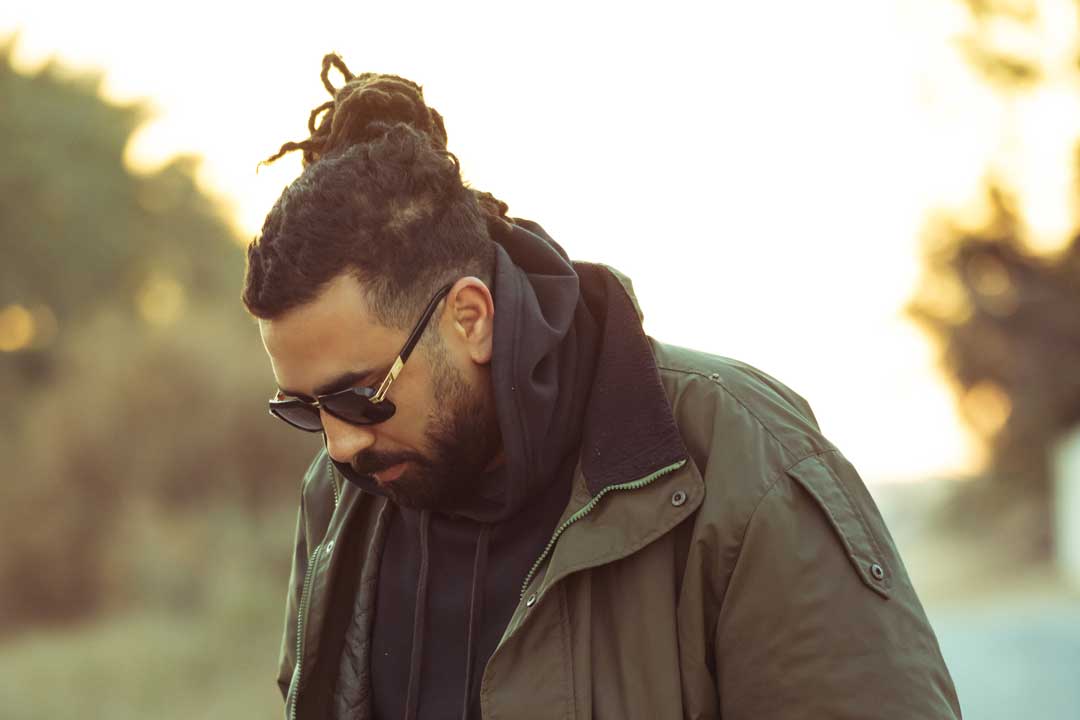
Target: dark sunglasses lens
[
  {"x": 299, "y": 415},
  {"x": 357, "y": 409}
]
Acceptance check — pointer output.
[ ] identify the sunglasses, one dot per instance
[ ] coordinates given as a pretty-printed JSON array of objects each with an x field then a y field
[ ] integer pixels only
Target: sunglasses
[{"x": 358, "y": 405}]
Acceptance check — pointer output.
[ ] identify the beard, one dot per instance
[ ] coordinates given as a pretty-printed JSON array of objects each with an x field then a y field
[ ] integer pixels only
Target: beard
[{"x": 463, "y": 436}]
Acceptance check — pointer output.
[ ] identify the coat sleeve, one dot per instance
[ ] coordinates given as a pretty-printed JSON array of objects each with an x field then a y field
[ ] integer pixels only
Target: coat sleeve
[
  {"x": 819, "y": 618},
  {"x": 287, "y": 654}
]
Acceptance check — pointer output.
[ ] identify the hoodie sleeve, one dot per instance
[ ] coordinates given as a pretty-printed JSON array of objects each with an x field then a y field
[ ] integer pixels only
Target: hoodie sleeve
[{"x": 820, "y": 619}]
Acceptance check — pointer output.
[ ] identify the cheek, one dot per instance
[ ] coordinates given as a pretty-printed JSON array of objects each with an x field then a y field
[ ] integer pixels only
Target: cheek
[
  {"x": 407, "y": 429},
  {"x": 417, "y": 402}
]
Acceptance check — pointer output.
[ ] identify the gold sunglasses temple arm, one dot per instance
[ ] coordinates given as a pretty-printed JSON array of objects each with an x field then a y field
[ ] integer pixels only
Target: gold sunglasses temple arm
[{"x": 388, "y": 380}]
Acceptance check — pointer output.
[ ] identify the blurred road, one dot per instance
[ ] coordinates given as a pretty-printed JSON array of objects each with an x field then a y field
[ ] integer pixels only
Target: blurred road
[
  {"x": 1014, "y": 657},
  {"x": 1009, "y": 630}
]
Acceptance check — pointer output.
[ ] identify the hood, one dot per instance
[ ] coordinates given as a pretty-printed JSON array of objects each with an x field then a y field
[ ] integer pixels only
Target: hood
[{"x": 541, "y": 370}]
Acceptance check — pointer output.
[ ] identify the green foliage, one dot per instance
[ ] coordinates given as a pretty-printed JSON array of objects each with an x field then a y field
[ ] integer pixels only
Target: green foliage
[
  {"x": 150, "y": 402},
  {"x": 77, "y": 229},
  {"x": 215, "y": 658}
]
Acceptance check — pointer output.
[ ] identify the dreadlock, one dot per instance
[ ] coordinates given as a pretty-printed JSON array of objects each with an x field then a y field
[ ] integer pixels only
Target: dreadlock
[
  {"x": 380, "y": 197},
  {"x": 363, "y": 110}
]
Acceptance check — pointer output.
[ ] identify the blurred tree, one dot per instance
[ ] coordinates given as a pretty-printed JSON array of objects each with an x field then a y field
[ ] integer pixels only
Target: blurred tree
[
  {"x": 126, "y": 359},
  {"x": 1006, "y": 64},
  {"x": 1007, "y": 317},
  {"x": 78, "y": 230}
]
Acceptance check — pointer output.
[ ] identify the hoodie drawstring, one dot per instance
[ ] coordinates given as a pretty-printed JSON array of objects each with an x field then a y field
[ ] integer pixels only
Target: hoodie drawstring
[
  {"x": 476, "y": 612},
  {"x": 413, "y": 699}
]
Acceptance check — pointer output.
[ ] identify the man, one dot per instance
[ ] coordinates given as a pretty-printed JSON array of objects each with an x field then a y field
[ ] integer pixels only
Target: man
[{"x": 527, "y": 508}]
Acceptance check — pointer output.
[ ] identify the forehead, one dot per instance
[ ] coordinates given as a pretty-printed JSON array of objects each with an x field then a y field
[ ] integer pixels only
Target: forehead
[{"x": 315, "y": 343}]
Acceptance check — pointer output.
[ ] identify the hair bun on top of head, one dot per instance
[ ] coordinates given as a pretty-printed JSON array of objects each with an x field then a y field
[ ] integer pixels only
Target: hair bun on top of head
[
  {"x": 367, "y": 108},
  {"x": 364, "y": 109}
]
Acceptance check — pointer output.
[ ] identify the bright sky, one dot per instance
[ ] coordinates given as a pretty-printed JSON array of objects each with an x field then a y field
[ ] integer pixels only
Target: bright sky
[{"x": 761, "y": 170}]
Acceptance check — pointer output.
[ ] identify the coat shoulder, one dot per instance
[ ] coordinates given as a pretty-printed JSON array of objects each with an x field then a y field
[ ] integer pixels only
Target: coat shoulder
[
  {"x": 752, "y": 437},
  {"x": 720, "y": 402}
]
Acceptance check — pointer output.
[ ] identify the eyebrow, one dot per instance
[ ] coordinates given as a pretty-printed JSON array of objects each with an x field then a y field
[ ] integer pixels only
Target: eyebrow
[{"x": 341, "y": 382}]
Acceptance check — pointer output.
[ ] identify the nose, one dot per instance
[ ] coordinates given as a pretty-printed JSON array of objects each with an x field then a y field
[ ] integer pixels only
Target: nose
[{"x": 345, "y": 440}]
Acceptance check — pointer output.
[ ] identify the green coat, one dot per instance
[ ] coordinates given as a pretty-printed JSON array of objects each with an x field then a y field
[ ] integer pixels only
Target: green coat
[{"x": 752, "y": 578}]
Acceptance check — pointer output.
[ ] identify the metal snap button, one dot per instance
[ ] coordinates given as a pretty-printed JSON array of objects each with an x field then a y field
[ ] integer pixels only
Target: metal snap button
[
  {"x": 531, "y": 601},
  {"x": 714, "y": 376},
  {"x": 678, "y": 498},
  {"x": 877, "y": 571}
]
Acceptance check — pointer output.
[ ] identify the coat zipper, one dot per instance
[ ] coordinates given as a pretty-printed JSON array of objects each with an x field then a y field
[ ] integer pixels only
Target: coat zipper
[
  {"x": 634, "y": 485},
  {"x": 300, "y": 615},
  {"x": 302, "y": 610},
  {"x": 333, "y": 484}
]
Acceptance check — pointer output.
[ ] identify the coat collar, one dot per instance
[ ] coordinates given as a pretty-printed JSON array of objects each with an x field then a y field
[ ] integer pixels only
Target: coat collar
[
  {"x": 629, "y": 431},
  {"x": 630, "y": 442}
]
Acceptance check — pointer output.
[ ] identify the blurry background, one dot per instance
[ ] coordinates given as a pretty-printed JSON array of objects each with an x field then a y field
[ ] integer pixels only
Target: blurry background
[{"x": 874, "y": 201}]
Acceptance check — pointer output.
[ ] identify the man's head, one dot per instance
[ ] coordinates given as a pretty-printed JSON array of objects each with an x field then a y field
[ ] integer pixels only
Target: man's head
[{"x": 348, "y": 259}]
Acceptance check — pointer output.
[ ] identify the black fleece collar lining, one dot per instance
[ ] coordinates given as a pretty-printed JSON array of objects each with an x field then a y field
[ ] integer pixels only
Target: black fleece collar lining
[{"x": 629, "y": 430}]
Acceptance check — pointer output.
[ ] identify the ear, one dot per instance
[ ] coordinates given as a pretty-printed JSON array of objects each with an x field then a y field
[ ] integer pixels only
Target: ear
[{"x": 469, "y": 318}]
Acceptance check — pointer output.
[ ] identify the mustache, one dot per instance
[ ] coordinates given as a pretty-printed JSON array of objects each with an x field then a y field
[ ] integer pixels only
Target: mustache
[{"x": 369, "y": 464}]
